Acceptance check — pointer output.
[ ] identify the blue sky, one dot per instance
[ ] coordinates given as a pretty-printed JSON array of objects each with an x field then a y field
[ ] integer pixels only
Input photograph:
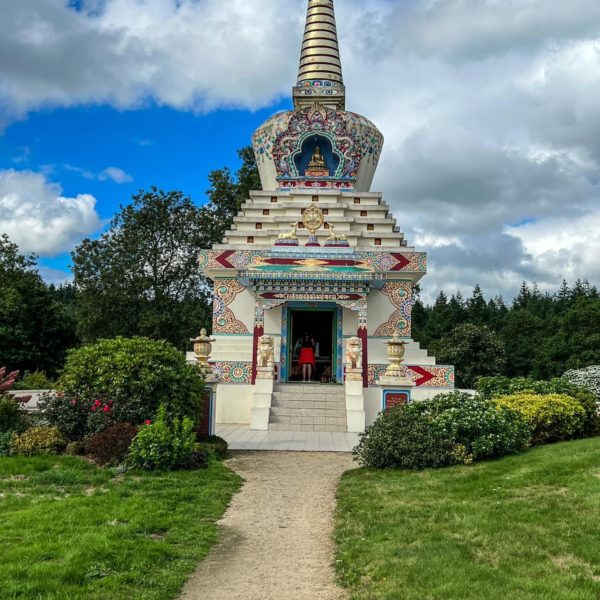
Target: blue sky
[
  {"x": 489, "y": 110},
  {"x": 173, "y": 150}
]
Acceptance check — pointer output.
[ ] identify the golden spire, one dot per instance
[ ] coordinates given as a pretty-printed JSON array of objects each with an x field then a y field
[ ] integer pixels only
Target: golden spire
[
  {"x": 320, "y": 56},
  {"x": 320, "y": 75}
]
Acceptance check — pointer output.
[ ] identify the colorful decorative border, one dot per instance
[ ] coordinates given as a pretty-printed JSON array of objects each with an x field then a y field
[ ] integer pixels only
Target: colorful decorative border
[
  {"x": 400, "y": 295},
  {"x": 233, "y": 372},
  {"x": 426, "y": 376},
  {"x": 366, "y": 262},
  {"x": 224, "y": 321}
]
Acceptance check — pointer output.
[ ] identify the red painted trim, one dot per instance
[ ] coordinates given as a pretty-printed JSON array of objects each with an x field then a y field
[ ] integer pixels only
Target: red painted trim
[
  {"x": 426, "y": 376},
  {"x": 258, "y": 333},
  {"x": 364, "y": 338},
  {"x": 402, "y": 262}
]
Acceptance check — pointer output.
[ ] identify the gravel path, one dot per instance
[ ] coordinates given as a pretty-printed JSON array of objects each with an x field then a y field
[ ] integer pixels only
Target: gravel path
[{"x": 276, "y": 535}]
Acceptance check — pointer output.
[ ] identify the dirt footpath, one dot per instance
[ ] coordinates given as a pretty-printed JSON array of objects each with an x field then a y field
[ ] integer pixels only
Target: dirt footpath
[{"x": 276, "y": 535}]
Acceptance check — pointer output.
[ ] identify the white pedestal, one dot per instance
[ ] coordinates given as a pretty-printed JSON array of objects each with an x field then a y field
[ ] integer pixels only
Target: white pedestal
[
  {"x": 355, "y": 403},
  {"x": 262, "y": 397}
]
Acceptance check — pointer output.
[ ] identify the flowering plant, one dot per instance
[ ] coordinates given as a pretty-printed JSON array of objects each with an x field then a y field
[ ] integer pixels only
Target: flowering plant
[{"x": 588, "y": 379}]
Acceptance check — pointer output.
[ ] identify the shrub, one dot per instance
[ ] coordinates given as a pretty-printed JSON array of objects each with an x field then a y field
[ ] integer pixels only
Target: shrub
[
  {"x": 494, "y": 387},
  {"x": 7, "y": 380},
  {"x": 404, "y": 437},
  {"x": 12, "y": 416},
  {"x": 164, "y": 445},
  {"x": 38, "y": 440},
  {"x": 588, "y": 379},
  {"x": 5, "y": 439},
  {"x": 122, "y": 380},
  {"x": 199, "y": 459},
  {"x": 75, "y": 449},
  {"x": 552, "y": 417},
  {"x": 110, "y": 447},
  {"x": 37, "y": 380},
  {"x": 213, "y": 445},
  {"x": 477, "y": 427}
]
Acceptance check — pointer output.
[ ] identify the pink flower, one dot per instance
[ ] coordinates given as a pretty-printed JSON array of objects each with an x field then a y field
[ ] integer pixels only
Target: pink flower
[
  {"x": 94, "y": 408},
  {"x": 148, "y": 422},
  {"x": 97, "y": 403},
  {"x": 106, "y": 408},
  {"x": 73, "y": 402}
]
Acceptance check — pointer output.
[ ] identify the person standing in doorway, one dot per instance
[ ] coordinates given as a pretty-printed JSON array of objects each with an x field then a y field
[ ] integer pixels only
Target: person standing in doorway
[{"x": 307, "y": 357}]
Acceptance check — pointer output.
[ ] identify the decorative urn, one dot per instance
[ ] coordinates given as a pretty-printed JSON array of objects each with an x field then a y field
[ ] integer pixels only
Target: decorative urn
[
  {"x": 396, "y": 349},
  {"x": 203, "y": 348}
]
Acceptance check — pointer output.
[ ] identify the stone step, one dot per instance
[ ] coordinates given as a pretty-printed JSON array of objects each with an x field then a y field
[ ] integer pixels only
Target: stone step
[
  {"x": 310, "y": 389},
  {"x": 287, "y": 411},
  {"x": 315, "y": 428},
  {"x": 310, "y": 397},
  {"x": 323, "y": 423},
  {"x": 296, "y": 402}
]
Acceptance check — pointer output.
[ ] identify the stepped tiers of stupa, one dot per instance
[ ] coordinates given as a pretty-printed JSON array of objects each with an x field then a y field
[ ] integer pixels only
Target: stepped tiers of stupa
[{"x": 313, "y": 282}]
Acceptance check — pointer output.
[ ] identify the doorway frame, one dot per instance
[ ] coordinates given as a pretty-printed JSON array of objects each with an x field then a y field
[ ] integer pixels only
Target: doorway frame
[{"x": 337, "y": 335}]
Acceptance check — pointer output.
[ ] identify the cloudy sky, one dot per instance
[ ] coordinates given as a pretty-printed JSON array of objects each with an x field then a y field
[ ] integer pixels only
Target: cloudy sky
[{"x": 490, "y": 109}]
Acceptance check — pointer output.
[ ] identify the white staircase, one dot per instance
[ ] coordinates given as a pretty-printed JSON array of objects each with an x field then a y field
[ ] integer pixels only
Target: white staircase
[{"x": 308, "y": 407}]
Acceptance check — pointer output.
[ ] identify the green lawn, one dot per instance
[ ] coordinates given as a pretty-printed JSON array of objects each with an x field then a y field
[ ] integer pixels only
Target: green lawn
[
  {"x": 70, "y": 531},
  {"x": 525, "y": 527}
]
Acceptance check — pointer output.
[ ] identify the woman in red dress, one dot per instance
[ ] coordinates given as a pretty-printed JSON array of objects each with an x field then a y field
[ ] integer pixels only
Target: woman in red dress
[{"x": 307, "y": 357}]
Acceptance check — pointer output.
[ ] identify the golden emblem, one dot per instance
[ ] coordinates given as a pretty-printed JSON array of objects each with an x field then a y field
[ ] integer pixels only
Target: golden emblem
[{"x": 313, "y": 219}]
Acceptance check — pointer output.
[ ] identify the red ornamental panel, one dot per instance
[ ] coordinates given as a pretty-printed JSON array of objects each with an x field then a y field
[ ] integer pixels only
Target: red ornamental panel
[{"x": 392, "y": 399}]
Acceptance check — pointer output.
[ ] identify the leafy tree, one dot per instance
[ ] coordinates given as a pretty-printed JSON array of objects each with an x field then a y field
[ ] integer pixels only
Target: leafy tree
[
  {"x": 35, "y": 330},
  {"x": 475, "y": 350},
  {"x": 142, "y": 276},
  {"x": 227, "y": 193}
]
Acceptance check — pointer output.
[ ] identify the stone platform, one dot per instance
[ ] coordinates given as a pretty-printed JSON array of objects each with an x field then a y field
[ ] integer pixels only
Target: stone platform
[{"x": 241, "y": 437}]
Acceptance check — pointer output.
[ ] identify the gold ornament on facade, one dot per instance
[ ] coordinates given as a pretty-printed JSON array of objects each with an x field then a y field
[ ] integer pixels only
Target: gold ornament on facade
[
  {"x": 313, "y": 219},
  {"x": 396, "y": 349},
  {"x": 292, "y": 235},
  {"x": 335, "y": 237},
  {"x": 203, "y": 348}
]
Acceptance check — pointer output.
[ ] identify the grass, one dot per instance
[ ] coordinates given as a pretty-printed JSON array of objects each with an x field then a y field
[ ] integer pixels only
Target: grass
[
  {"x": 69, "y": 530},
  {"x": 525, "y": 527}
]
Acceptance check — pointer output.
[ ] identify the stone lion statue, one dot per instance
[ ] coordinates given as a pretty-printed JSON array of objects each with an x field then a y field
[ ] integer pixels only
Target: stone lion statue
[
  {"x": 354, "y": 353},
  {"x": 266, "y": 351}
]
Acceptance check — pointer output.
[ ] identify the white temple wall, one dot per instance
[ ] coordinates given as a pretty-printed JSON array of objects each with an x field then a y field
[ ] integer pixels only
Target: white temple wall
[
  {"x": 232, "y": 348},
  {"x": 243, "y": 308},
  {"x": 234, "y": 403},
  {"x": 372, "y": 398},
  {"x": 380, "y": 310},
  {"x": 350, "y": 322}
]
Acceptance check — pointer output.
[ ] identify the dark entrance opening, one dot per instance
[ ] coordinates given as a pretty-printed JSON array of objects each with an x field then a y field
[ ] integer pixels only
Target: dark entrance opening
[{"x": 321, "y": 326}]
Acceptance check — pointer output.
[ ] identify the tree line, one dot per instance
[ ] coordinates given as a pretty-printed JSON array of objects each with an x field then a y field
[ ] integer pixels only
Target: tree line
[
  {"x": 539, "y": 335},
  {"x": 141, "y": 278}
]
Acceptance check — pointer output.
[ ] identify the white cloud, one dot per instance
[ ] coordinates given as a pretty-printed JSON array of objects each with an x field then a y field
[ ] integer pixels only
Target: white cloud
[
  {"x": 490, "y": 109},
  {"x": 115, "y": 174},
  {"x": 38, "y": 218},
  {"x": 55, "y": 276}
]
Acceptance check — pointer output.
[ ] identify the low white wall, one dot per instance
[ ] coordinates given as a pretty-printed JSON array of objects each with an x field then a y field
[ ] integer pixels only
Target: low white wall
[
  {"x": 36, "y": 395},
  {"x": 234, "y": 403}
]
